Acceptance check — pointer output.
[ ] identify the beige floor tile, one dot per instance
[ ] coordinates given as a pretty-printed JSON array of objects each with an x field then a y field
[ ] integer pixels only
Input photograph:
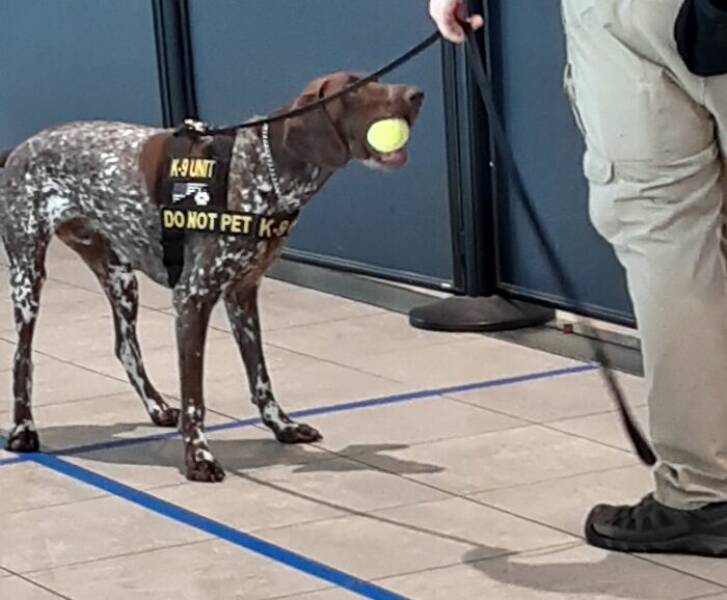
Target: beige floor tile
[
  {"x": 367, "y": 548},
  {"x": 247, "y": 505},
  {"x": 555, "y": 398},
  {"x": 571, "y": 573},
  {"x": 93, "y": 338},
  {"x": 144, "y": 467},
  {"x": 299, "y": 383},
  {"x": 565, "y": 502},
  {"x": 271, "y": 287},
  {"x": 353, "y": 341},
  {"x": 56, "y": 382},
  {"x": 223, "y": 359},
  {"x": 412, "y": 542},
  {"x": 7, "y": 351},
  {"x": 605, "y": 428},
  {"x": 28, "y": 486},
  {"x": 485, "y": 531},
  {"x": 457, "y": 363},
  {"x": 712, "y": 569},
  {"x": 72, "y": 272},
  {"x": 206, "y": 571},
  {"x": 3, "y": 454},
  {"x": 153, "y": 295},
  {"x": 226, "y": 385},
  {"x": 345, "y": 485},
  {"x": 412, "y": 422},
  {"x": 160, "y": 364},
  {"x": 15, "y": 588},
  {"x": 96, "y": 420},
  {"x": 298, "y": 306},
  {"x": 85, "y": 531},
  {"x": 59, "y": 303},
  {"x": 247, "y": 449},
  {"x": 499, "y": 460},
  {"x": 331, "y": 594}
]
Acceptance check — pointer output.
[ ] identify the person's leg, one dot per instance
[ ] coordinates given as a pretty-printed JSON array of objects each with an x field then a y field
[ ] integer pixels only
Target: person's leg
[{"x": 655, "y": 172}]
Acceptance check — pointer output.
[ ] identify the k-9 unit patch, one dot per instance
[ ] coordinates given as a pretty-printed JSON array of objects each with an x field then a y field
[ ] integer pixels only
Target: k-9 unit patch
[{"x": 193, "y": 196}]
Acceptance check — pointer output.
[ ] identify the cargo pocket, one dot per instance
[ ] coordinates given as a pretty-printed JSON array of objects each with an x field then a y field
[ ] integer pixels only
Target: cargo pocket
[
  {"x": 600, "y": 173},
  {"x": 570, "y": 92}
]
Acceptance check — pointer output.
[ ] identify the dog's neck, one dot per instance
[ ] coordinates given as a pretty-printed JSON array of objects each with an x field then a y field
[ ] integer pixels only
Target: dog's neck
[
  {"x": 293, "y": 173},
  {"x": 251, "y": 185}
]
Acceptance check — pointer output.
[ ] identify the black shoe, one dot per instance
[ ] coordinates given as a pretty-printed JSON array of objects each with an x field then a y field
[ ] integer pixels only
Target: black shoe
[{"x": 653, "y": 527}]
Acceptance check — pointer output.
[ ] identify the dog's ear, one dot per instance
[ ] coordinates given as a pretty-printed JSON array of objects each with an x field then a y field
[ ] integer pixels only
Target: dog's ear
[{"x": 316, "y": 136}]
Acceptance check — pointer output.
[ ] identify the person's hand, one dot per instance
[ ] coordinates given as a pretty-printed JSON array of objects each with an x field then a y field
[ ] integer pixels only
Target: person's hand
[{"x": 448, "y": 14}]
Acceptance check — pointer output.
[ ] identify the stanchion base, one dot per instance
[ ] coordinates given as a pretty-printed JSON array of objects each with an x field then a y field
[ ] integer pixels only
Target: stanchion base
[{"x": 463, "y": 314}]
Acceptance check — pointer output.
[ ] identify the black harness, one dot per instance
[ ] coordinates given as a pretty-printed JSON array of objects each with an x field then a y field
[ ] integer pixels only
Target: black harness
[{"x": 193, "y": 196}]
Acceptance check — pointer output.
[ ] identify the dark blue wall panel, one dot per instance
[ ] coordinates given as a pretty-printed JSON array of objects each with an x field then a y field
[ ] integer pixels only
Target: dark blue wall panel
[
  {"x": 62, "y": 60},
  {"x": 252, "y": 56},
  {"x": 529, "y": 61}
]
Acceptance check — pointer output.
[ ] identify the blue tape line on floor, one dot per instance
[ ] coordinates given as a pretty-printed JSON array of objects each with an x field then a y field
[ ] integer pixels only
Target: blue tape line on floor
[
  {"x": 337, "y": 408},
  {"x": 238, "y": 538},
  {"x": 216, "y": 529}
]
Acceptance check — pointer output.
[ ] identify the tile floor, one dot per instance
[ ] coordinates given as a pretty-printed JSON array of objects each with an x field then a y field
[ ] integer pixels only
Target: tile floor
[{"x": 453, "y": 467}]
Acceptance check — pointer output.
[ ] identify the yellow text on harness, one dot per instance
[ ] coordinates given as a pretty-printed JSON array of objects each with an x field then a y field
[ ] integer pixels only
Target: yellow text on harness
[
  {"x": 192, "y": 168},
  {"x": 226, "y": 223}
]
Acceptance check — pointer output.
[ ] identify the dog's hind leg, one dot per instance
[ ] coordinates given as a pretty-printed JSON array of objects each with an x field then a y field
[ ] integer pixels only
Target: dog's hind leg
[
  {"x": 120, "y": 285},
  {"x": 242, "y": 311},
  {"x": 26, "y": 253}
]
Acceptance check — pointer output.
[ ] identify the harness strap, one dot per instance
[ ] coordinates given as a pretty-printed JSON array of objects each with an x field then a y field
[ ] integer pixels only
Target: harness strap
[{"x": 193, "y": 196}]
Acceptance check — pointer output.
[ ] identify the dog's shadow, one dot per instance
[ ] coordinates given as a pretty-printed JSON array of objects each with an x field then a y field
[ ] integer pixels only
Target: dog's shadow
[{"x": 115, "y": 444}]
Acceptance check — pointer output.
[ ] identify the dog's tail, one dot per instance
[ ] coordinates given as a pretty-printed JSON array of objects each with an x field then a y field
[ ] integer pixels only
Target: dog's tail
[{"x": 4, "y": 155}]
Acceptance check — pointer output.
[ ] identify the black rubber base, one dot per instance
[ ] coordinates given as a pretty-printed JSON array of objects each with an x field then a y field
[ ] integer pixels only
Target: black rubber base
[{"x": 478, "y": 314}]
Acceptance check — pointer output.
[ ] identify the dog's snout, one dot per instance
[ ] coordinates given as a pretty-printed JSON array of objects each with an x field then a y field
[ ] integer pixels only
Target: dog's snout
[{"x": 414, "y": 95}]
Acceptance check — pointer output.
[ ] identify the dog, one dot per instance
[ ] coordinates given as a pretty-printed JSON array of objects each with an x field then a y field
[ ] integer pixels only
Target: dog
[{"x": 92, "y": 184}]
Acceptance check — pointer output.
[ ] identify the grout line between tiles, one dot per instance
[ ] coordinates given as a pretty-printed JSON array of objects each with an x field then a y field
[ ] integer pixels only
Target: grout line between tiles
[
  {"x": 81, "y": 563},
  {"x": 542, "y": 523},
  {"x": 38, "y": 585}
]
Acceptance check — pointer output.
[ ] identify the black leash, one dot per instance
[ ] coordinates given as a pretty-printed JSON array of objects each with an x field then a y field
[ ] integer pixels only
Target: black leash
[
  {"x": 388, "y": 68},
  {"x": 568, "y": 289},
  {"x": 642, "y": 447}
]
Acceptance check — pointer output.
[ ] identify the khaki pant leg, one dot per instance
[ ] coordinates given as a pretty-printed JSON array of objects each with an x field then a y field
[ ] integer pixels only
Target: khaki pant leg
[{"x": 656, "y": 194}]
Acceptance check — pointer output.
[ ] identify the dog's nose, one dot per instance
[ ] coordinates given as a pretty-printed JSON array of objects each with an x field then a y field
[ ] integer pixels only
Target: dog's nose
[{"x": 413, "y": 95}]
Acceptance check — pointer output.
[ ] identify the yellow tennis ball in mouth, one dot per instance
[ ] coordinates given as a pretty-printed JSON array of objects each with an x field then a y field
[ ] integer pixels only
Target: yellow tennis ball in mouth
[{"x": 388, "y": 135}]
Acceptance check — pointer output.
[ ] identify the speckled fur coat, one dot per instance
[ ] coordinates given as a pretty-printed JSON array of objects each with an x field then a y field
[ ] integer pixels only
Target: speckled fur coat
[{"x": 90, "y": 183}]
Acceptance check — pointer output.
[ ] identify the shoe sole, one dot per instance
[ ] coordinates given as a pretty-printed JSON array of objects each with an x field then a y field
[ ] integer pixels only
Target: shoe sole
[{"x": 696, "y": 545}]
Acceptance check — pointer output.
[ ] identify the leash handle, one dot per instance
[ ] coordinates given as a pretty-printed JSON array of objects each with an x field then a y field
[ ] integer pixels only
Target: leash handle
[
  {"x": 568, "y": 288},
  {"x": 386, "y": 69}
]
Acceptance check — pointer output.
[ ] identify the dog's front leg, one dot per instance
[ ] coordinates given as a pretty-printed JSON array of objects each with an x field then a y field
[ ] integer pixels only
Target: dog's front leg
[
  {"x": 193, "y": 314},
  {"x": 242, "y": 311}
]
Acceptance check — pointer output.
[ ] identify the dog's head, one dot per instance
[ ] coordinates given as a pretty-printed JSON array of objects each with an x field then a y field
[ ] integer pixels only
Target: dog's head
[{"x": 333, "y": 134}]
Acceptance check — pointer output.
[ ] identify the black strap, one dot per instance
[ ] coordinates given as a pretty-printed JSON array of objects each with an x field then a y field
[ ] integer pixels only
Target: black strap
[
  {"x": 568, "y": 288},
  {"x": 184, "y": 146},
  {"x": 386, "y": 69}
]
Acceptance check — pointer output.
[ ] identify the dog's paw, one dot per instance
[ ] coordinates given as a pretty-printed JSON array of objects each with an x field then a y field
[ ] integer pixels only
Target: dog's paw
[
  {"x": 298, "y": 433},
  {"x": 23, "y": 440},
  {"x": 167, "y": 417},
  {"x": 205, "y": 471}
]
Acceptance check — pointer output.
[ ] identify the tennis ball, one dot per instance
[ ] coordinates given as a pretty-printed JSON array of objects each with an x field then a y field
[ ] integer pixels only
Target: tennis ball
[{"x": 388, "y": 135}]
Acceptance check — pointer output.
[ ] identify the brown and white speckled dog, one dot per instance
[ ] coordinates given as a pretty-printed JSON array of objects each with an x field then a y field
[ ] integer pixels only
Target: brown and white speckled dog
[{"x": 91, "y": 183}]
